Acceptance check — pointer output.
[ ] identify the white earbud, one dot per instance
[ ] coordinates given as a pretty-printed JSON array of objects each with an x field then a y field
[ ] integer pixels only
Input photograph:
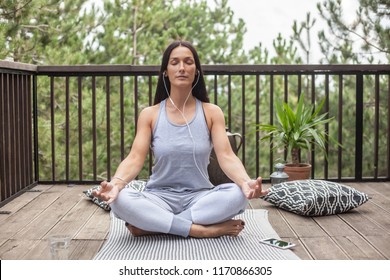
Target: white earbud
[{"x": 185, "y": 119}]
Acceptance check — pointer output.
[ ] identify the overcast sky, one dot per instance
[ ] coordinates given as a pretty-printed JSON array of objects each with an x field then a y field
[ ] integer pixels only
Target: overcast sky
[{"x": 264, "y": 19}]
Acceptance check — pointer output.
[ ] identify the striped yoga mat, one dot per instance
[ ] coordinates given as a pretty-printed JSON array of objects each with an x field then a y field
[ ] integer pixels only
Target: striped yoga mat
[{"x": 121, "y": 245}]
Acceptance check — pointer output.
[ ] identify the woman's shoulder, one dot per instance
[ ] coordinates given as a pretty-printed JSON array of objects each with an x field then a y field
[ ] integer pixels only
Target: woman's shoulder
[
  {"x": 213, "y": 114},
  {"x": 150, "y": 109},
  {"x": 211, "y": 108},
  {"x": 150, "y": 112}
]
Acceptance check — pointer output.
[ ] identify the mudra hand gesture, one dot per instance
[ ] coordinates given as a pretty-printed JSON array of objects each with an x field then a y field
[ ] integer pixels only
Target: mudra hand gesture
[
  {"x": 253, "y": 189},
  {"x": 107, "y": 192}
]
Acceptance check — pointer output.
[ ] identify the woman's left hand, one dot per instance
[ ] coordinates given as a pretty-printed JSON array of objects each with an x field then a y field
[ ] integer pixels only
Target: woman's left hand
[{"x": 253, "y": 189}]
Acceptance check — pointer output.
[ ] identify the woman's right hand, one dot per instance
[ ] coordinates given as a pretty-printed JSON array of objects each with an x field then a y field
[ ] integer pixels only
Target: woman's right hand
[{"x": 107, "y": 192}]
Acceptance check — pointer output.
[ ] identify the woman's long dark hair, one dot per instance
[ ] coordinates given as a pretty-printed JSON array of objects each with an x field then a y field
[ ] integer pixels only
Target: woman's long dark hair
[{"x": 199, "y": 91}]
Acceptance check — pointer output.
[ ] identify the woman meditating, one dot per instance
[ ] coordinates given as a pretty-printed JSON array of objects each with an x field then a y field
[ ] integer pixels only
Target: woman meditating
[{"x": 181, "y": 128}]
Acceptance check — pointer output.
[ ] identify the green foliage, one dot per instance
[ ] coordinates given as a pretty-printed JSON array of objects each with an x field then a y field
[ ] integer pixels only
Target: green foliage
[
  {"x": 43, "y": 31},
  {"x": 360, "y": 40},
  {"x": 297, "y": 129},
  {"x": 286, "y": 53},
  {"x": 71, "y": 32},
  {"x": 304, "y": 43}
]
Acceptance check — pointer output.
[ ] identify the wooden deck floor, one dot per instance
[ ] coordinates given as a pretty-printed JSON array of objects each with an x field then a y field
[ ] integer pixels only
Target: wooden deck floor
[{"x": 27, "y": 221}]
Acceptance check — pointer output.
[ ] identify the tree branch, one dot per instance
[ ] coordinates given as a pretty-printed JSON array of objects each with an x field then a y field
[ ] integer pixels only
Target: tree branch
[
  {"x": 39, "y": 27},
  {"x": 16, "y": 10},
  {"x": 368, "y": 42}
]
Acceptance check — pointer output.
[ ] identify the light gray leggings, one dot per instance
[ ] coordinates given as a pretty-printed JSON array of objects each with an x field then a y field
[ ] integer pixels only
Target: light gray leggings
[{"x": 174, "y": 213}]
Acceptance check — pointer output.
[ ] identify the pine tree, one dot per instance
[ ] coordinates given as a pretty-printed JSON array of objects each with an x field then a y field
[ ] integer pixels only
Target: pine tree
[
  {"x": 366, "y": 39},
  {"x": 43, "y": 31}
]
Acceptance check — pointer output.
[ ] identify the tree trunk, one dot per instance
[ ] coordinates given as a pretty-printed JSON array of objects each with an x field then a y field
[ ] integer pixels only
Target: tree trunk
[{"x": 295, "y": 156}]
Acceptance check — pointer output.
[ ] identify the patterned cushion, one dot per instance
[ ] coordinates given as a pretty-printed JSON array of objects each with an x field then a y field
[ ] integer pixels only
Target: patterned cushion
[
  {"x": 315, "y": 197},
  {"x": 138, "y": 185}
]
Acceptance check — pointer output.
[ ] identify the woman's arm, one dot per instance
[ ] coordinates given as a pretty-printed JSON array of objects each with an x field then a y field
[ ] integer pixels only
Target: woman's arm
[
  {"x": 130, "y": 167},
  {"x": 227, "y": 159}
]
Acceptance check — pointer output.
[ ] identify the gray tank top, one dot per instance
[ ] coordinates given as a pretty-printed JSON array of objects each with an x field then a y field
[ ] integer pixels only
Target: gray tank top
[{"x": 174, "y": 153}]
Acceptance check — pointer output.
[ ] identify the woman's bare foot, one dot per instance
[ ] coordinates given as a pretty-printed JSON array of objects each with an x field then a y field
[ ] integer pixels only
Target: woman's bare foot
[
  {"x": 230, "y": 228},
  {"x": 137, "y": 231}
]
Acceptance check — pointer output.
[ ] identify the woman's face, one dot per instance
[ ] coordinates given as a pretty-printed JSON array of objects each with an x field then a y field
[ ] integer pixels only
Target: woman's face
[{"x": 181, "y": 67}]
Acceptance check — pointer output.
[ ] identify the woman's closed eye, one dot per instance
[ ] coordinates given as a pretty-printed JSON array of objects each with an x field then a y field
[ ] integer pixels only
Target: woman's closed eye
[{"x": 188, "y": 61}]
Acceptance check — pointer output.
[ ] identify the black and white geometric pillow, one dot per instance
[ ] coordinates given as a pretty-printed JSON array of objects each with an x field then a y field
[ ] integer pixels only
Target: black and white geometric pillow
[
  {"x": 315, "y": 197},
  {"x": 138, "y": 185}
]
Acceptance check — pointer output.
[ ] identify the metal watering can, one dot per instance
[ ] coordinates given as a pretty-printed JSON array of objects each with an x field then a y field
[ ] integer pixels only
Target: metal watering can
[{"x": 216, "y": 175}]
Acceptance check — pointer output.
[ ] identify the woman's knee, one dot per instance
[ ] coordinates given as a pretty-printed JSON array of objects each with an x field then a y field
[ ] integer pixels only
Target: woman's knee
[
  {"x": 231, "y": 188},
  {"x": 222, "y": 203},
  {"x": 234, "y": 195},
  {"x": 125, "y": 201}
]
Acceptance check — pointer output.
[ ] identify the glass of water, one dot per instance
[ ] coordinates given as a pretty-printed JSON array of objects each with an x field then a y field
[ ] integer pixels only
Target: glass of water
[{"x": 59, "y": 247}]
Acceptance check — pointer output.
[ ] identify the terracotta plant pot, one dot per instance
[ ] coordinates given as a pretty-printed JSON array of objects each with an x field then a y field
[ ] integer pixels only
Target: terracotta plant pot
[{"x": 297, "y": 172}]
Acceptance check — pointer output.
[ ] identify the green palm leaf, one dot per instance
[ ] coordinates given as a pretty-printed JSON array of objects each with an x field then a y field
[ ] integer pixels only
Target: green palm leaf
[{"x": 297, "y": 129}]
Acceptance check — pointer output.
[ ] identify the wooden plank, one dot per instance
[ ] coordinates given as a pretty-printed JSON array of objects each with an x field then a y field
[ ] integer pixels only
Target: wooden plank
[
  {"x": 358, "y": 248},
  {"x": 377, "y": 209},
  {"x": 382, "y": 202},
  {"x": 300, "y": 249},
  {"x": 363, "y": 187},
  {"x": 376, "y": 214},
  {"x": 372, "y": 188},
  {"x": 41, "y": 251},
  {"x": 42, "y": 224},
  {"x": 2, "y": 241},
  {"x": 18, "y": 66},
  {"x": 16, "y": 204},
  {"x": 74, "y": 220},
  {"x": 375, "y": 234},
  {"x": 97, "y": 226},
  {"x": 275, "y": 218},
  {"x": 324, "y": 248},
  {"x": 86, "y": 249},
  {"x": 382, "y": 188},
  {"x": 303, "y": 226},
  {"x": 376, "y": 194},
  {"x": 78, "y": 250},
  {"x": 15, "y": 222},
  {"x": 381, "y": 243},
  {"x": 16, "y": 249},
  {"x": 334, "y": 226},
  {"x": 281, "y": 226},
  {"x": 359, "y": 221},
  {"x": 347, "y": 238}
]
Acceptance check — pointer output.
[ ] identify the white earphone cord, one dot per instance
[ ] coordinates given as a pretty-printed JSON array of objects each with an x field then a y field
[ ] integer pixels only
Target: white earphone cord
[{"x": 187, "y": 124}]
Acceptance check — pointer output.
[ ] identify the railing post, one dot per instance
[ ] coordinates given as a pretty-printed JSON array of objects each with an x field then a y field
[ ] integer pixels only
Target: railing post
[
  {"x": 35, "y": 127},
  {"x": 340, "y": 124},
  {"x": 359, "y": 128},
  {"x": 388, "y": 126},
  {"x": 243, "y": 132}
]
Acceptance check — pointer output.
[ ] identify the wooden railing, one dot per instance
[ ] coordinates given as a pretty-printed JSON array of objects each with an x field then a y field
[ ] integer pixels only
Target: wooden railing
[
  {"x": 74, "y": 124},
  {"x": 16, "y": 128}
]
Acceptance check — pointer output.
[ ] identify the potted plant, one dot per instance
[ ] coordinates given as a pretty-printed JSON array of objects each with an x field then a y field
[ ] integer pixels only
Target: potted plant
[{"x": 297, "y": 130}]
